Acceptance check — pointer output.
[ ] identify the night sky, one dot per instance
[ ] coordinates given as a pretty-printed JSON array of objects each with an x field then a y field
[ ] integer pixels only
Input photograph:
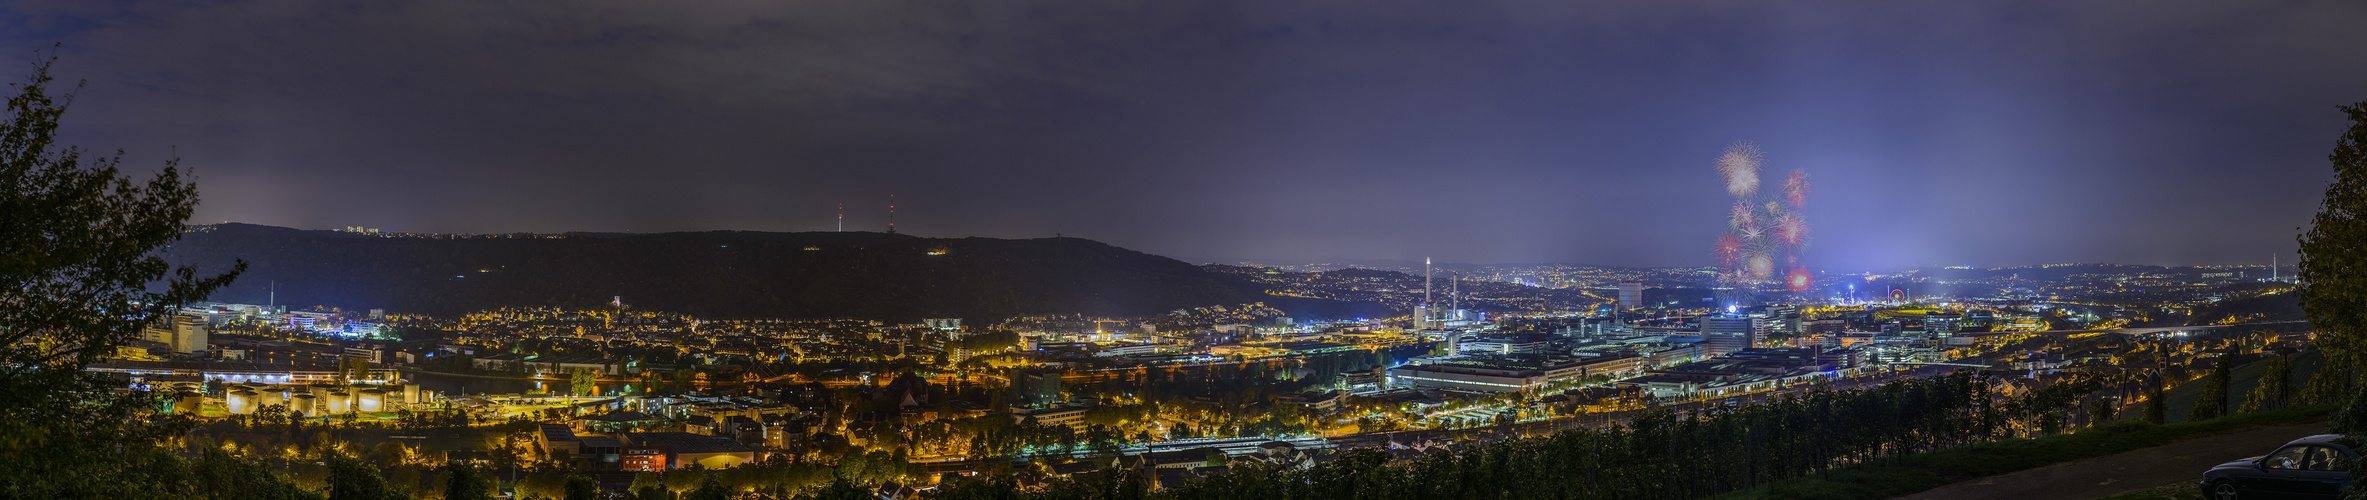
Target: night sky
[{"x": 1952, "y": 133}]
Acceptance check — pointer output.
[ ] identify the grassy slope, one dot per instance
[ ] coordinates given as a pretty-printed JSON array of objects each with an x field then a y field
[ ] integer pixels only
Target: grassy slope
[
  {"x": 2246, "y": 377},
  {"x": 1930, "y": 470}
]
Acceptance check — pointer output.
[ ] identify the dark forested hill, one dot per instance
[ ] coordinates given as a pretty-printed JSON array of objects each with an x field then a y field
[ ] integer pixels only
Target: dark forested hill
[{"x": 720, "y": 273}]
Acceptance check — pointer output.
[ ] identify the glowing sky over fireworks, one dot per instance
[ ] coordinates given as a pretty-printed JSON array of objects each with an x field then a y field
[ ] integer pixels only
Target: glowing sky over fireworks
[
  {"x": 1760, "y": 233},
  {"x": 2126, "y": 131}
]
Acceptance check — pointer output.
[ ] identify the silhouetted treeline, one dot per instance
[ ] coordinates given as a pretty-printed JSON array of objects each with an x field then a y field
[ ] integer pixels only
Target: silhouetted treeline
[{"x": 716, "y": 274}]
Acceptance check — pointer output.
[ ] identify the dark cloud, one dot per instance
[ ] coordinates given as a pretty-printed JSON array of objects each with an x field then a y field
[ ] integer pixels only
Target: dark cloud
[{"x": 1953, "y": 133}]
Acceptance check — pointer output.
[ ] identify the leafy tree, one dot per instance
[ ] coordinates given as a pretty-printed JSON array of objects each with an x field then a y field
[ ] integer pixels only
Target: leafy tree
[
  {"x": 351, "y": 479},
  {"x": 584, "y": 382},
  {"x": 841, "y": 489},
  {"x": 2274, "y": 384},
  {"x": 582, "y": 488},
  {"x": 652, "y": 493},
  {"x": 351, "y": 368},
  {"x": 2352, "y": 418},
  {"x": 2213, "y": 403},
  {"x": 2157, "y": 405},
  {"x": 462, "y": 481},
  {"x": 2333, "y": 268},
  {"x": 2099, "y": 412},
  {"x": 708, "y": 489},
  {"x": 77, "y": 255},
  {"x": 219, "y": 475}
]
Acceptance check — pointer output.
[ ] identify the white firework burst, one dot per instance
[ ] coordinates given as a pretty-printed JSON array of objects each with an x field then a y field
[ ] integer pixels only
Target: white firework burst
[
  {"x": 1758, "y": 267},
  {"x": 1740, "y": 166}
]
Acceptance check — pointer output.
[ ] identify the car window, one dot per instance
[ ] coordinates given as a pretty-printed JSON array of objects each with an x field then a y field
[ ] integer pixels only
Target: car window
[
  {"x": 2288, "y": 458},
  {"x": 2324, "y": 458}
]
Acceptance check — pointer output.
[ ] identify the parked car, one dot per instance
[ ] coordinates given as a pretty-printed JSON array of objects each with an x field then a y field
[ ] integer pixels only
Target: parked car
[{"x": 2311, "y": 467}]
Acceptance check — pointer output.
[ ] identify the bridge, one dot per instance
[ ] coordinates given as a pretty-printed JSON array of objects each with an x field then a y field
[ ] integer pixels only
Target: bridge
[
  {"x": 2131, "y": 331},
  {"x": 1967, "y": 365}
]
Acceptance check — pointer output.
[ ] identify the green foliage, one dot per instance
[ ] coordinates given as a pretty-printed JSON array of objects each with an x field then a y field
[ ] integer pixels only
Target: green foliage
[
  {"x": 462, "y": 481},
  {"x": 708, "y": 489},
  {"x": 353, "y": 368},
  {"x": 582, "y": 488},
  {"x": 2157, "y": 405},
  {"x": 584, "y": 382},
  {"x": 77, "y": 243},
  {"x": 2100, "y": 412},
  {"x": 2352, "y": 418},
  {"x": 2213, "y": 402},
  {"x": 2333, "y": 264},
  {"x": 351, "y": 479},
  {"x": 2270, "y": 394},
  {"x": 841, "y": 489},
  {"x": 2331, "y": 384}
]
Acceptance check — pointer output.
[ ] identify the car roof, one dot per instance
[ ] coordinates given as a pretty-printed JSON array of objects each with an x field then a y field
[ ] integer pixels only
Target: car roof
[{"x": 2317, "y": 439}]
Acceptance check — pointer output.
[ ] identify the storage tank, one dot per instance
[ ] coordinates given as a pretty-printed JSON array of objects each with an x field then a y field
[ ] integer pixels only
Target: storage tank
[
  {"x": 340, "y": 402},
  {"x": 271, "y": 396},
  {"x": 305, "y": 404},
  {"x": 241, "y": 402},
  {"x": 372, "y": 399}
]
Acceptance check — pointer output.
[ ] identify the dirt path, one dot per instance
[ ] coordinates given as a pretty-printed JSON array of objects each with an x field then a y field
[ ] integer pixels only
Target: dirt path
[{"x": 2125, "y": 472}]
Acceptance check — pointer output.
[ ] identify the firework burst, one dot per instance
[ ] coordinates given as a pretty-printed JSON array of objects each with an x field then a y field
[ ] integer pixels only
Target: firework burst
[
  {"x": 1765, "y": 232},
  {"x": 1729, "y": 250},
  {"x": 1740, "y": 167},
  {"x": 1792, "y": 230},
  {"x": 1798, "y": 280},
  {"x": 1758, "y": 267},
  {"x": 1795, "y": 188}
]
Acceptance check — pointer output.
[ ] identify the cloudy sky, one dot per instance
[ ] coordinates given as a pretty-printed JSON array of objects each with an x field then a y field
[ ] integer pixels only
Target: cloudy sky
[{"x": 1981, "y": 133}]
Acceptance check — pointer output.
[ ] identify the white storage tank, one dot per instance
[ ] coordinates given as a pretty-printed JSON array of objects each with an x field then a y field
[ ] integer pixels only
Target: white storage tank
[
  {"x": 241, "y": 402},
  {"x": 305, "y": 404},
  {"x": 372, "y": 399}
]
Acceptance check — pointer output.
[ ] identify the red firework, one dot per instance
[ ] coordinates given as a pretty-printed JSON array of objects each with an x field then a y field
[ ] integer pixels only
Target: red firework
[
  {"x": 1798, "y": 280},
  {"x": 1791, "y": 229},
  {"x": 1795, "y": 188},
  {"x": 1729, "y": 250}
]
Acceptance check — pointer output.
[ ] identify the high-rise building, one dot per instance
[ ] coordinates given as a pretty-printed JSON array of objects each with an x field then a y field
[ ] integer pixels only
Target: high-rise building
[
  {"x": 1782, "y": 319},
  {"x": 1631, "y": 294},
  {"x": 1723, "y": 334},
  {"x": 1942, "y": 324},
  {"x": 186, "y": 334}
]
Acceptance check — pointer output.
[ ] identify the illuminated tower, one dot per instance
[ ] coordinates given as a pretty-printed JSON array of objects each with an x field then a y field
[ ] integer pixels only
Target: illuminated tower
[
  {"x": 842, "y": 217},
  {"x": 891, "y": 214}
]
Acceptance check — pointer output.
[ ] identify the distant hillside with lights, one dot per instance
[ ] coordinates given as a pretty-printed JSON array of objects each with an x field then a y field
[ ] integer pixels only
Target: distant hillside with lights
[{"x": 715, "y": 273}]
